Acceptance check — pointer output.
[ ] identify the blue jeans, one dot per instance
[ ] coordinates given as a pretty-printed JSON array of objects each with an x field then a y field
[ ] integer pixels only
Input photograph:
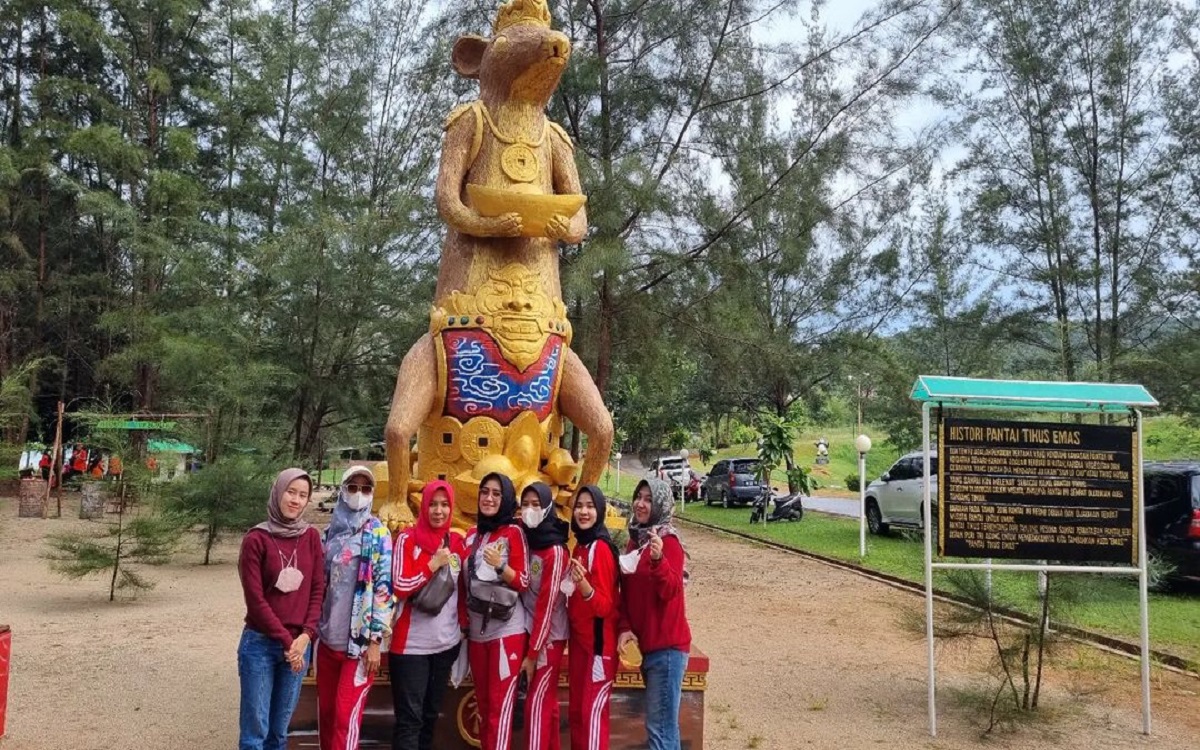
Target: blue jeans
[
  {"x": 270, "y": 690},
  {"x": 663, "y": 672}
]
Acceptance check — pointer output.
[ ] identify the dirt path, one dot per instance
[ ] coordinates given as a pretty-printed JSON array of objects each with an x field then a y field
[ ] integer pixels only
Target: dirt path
[{"x": 804, "y": 656}]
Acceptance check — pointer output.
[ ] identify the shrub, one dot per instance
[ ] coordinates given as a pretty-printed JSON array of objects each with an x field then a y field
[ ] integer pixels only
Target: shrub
[{"x": 852, "y": 482}]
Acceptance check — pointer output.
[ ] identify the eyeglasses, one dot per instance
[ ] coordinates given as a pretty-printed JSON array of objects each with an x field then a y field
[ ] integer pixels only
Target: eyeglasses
[{"x": 366, "y": 489}]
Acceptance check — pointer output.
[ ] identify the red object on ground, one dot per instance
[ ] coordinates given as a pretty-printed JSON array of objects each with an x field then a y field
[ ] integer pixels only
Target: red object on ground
[{"x": 5, "y": 654}]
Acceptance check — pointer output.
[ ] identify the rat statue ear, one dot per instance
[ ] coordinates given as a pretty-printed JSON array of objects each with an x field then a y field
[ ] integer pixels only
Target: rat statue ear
[{"x": 468, "y": 55}]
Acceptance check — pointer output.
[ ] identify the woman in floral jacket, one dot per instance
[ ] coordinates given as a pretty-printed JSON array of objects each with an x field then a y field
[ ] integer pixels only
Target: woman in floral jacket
[{"x": 357, "y": 613}]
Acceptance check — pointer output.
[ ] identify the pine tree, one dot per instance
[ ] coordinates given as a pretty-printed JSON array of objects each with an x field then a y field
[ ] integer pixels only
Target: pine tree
[{"x": 222, "y": 497}]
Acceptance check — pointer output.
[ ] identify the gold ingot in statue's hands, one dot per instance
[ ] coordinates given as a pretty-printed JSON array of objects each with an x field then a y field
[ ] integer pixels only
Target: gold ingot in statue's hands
[{"x": 535, "y": 209}]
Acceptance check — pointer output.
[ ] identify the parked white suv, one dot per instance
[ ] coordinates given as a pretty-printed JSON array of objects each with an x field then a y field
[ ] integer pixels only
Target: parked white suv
[
  {"x": 897, "y": 497},
  {"x": 670, "y": 468}
]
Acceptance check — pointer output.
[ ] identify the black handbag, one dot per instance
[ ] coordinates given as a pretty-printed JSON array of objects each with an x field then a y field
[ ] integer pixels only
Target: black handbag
[
  {"x": 432, "y": 597},
  {"x": 492, "y": 600}
]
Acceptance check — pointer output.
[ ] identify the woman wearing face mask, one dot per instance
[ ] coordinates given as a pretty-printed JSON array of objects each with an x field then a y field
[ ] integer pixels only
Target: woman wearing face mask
[
  {"x": 546, "y": 612},
  {"x": 283, "y": 579},
  {"x": 593, "y": 610},
  {"x": 652, "y": 612},
  {"x": 357, "y": 613},
  {"x": 497, "y": 555},
  {"x": 425, "y": 641}
]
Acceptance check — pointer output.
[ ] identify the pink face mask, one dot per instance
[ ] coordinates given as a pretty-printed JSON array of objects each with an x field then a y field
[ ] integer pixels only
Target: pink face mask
[{"x": 290, "y": 577}]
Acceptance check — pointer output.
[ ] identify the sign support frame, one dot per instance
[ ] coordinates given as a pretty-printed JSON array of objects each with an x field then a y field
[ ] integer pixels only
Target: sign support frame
[{"x": 1141, "y": 570}]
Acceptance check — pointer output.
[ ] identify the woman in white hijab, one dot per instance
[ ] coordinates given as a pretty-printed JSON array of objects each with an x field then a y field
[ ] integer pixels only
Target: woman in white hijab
[{"x": 357, "y": 613}]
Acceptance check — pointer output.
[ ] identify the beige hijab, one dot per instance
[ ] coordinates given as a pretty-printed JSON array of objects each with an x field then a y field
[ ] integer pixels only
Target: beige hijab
[{"x": 276, "y": 524}]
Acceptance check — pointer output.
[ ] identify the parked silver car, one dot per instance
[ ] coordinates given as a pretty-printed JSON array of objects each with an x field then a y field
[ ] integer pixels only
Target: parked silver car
[{"x": 896, "y": 497}]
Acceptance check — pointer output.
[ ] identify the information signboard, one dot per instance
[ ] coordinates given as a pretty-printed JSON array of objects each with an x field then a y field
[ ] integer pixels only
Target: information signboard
[{"x": 1037, "y": 491}]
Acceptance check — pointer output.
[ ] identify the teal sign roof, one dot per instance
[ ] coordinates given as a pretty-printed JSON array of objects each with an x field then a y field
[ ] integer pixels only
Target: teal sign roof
[
  {"x": 169, "y": 445},
  {"x": 1032, "y": 395}
]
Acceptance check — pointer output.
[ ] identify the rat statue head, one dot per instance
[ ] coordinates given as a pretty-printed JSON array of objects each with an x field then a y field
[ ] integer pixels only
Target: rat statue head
[{"x": 523, "y": 60}]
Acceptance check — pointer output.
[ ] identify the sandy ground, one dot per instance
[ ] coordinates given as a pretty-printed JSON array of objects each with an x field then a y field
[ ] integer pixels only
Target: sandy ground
[{"x": 803, "y": 656}]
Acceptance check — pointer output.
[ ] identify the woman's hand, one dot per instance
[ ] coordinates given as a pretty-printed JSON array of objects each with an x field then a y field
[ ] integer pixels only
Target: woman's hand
[
  {"x": 624, "y": 638},
  {"x": 579, "y": 576},
  {"x": 492, "y": 556},
  {"x": 655, "y": 546},
  {"x": 440, "y": 558},
  {"x": 527, "y": 666},
  {"x": 371, "y": 658},
  {"x": 578, "y": 572},
  {"x": 295, "y": 654}
]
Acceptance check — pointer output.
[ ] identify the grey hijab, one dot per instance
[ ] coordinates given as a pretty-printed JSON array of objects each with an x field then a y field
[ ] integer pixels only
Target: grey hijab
[
  {"x": 276, "y": 524},
  {"x": 662, "y": 513}
]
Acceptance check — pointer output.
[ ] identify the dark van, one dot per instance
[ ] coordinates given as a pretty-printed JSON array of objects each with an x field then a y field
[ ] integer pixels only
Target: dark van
[{"x": 1172, "y": 497}]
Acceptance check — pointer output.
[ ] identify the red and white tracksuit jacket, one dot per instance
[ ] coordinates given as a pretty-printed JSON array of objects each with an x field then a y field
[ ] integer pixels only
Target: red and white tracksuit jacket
[
  {"x": 416, "y": 632},
  {"x": 593, "y": 652},
  {"x": 495, "y": 653},
  {"x": 546, "y": 610}
]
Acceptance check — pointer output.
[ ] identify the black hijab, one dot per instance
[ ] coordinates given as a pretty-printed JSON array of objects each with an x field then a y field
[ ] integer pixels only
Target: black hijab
[
  {"x": 598, "y": 529},
  {"x": 585, "y": 537},
  {"x": 508, "y": 505},
  {"x": 552, "y": 530}
]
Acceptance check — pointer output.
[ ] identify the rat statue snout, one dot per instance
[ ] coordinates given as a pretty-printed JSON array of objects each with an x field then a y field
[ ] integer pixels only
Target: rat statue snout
[{"x": 557, "y": 47}]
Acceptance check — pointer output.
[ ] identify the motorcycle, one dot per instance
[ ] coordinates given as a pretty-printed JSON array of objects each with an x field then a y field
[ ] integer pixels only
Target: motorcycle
[{"x": 787, "y": 507}]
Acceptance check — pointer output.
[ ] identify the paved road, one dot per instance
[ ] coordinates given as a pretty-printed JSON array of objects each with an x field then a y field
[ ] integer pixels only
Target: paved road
[{"x": 838, "y": 506}]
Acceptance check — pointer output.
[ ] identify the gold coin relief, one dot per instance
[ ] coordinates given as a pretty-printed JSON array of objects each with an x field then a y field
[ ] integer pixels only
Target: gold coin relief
[{"x": 519, "y": 162}]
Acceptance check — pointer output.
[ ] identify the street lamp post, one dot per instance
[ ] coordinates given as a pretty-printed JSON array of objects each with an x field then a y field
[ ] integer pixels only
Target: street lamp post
[
  {"x": 683, "y": 477},
  {"x": 863, "y": 444},
  {"x": 617, "y": 457}
]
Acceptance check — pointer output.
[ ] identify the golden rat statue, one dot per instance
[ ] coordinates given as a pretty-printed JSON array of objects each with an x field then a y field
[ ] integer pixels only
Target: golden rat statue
[{"x": 488, "y": 387}]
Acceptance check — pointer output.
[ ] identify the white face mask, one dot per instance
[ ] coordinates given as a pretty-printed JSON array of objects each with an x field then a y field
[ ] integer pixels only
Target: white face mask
[
  {"x": 357, "y": 500},
  {"x": 532, "y": 517},
  {"x": 629, "y": 561}
]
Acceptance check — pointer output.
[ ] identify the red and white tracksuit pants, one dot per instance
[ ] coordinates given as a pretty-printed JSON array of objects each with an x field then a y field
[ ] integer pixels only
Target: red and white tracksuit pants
[
  {"x": 339, "y": 701},
  {"x": 495, "y": 666},
  {"x": 541, "y": 702},
  {"x": 591, "y": 686}
]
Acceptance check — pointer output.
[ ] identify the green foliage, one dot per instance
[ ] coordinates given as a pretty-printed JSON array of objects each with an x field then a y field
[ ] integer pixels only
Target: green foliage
[
  {"x": 800, "y": 479},
  {"x": 222, "y": 497},
  {"x": 1166, "y": 438},
  {"x": 115, "y": 550},
  {"x": 741, "y": 434},
  {"x": 852, "y": 482},
  {"x": 16, "y": 397},
  {"x": 776, "y": 437}
]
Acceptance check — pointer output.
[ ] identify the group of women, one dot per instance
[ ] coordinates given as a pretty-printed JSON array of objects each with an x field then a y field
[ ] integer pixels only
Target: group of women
[{"x": 510, "y": 589}]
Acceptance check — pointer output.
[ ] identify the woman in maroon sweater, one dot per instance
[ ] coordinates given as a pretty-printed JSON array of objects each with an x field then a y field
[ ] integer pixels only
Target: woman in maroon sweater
[
  {"x": 652, "y": 611},
  {"x": 283, "y": 580}
]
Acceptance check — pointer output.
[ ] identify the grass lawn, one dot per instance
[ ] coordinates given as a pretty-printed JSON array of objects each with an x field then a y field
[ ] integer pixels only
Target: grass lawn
[{"x": 1107, "y": 604}]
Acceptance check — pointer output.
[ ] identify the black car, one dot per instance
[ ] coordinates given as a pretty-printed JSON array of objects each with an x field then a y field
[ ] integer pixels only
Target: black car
[
  {"x": 732, "y": 480},
  {"x": 1172, "y": 498}
]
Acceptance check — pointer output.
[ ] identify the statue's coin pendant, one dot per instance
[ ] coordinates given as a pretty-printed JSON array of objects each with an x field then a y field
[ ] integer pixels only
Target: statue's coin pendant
[{"x": 519, "y": 162}]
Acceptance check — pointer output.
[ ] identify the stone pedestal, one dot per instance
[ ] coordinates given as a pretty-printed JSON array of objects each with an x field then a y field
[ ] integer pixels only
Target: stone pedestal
[
  {"x": 458, "y": 727},
  {"x": 91, "y": 501},
  {"x": 32, "y": 502}
]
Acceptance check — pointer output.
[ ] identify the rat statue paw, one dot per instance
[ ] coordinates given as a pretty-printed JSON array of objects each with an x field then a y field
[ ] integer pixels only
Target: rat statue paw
[
  {"x": 559, "y": 227},
  {"x": 505, "y": 225}
]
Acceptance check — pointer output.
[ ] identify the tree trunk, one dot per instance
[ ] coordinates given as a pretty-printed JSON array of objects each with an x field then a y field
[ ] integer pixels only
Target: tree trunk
[
  {"x": 112, "y": 585},
  {"x": 604, "y": 337},
  {"x": 209, "y": 541}
]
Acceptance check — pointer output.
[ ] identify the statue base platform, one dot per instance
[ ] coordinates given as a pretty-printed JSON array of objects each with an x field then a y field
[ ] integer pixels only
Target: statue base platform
[{"x": 458, "y": 727}]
